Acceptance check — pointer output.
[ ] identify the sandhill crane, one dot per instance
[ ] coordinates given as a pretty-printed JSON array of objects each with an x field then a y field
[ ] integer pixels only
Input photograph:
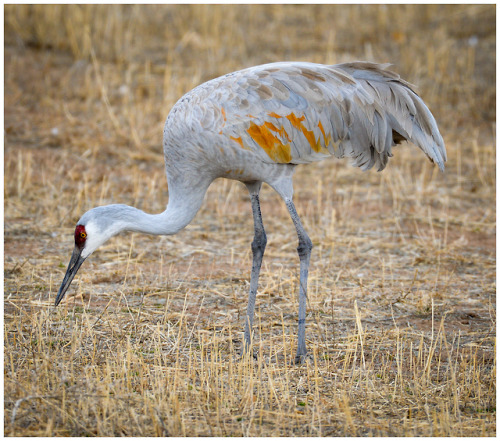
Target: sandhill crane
[{"x": 256, "y": 125}]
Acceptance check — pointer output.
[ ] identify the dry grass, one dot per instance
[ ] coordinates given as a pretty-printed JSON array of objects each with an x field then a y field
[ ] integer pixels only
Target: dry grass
[{"x": 402, "y": 305}]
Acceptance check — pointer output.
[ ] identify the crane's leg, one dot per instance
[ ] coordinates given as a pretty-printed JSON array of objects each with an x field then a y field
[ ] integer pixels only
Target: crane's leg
[
  {"x": 258, "y": 247},
  {"x": 304, "y": 250}
]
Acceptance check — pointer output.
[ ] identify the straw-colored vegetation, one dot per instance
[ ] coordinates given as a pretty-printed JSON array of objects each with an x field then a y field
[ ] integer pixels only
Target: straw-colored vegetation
[{"x": 401, "y": 308}]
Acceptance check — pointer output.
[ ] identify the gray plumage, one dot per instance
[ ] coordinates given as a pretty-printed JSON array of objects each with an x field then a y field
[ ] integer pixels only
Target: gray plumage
[{"x": 255, "y": 126}]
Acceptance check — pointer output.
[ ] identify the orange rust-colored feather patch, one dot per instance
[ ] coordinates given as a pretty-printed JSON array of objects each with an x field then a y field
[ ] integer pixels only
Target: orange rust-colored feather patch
[
  {"x": 238, "y": 140},
  {"x": 274, "y": 115},
  {"x": 280, "y": 132},
  {"x": 309, "y": 134},
  {"x": 326, "y": 138},
  {"x": 272, "y": 145}
]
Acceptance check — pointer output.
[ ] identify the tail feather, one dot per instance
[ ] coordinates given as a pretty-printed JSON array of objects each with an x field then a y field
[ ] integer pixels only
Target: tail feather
[{"x": 399, "y": 113}]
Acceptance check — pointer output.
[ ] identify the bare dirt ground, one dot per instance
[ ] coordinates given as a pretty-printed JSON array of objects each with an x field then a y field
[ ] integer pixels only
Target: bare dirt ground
[{"x": 401, "y": 321}]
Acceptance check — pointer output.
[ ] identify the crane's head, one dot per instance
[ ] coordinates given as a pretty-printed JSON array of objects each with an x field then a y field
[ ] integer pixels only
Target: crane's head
[{"x": 94, "y": 228}]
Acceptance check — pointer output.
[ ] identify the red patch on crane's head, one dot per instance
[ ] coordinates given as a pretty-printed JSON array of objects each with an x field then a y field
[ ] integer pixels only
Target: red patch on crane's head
[{"x": 80, "y": 236}]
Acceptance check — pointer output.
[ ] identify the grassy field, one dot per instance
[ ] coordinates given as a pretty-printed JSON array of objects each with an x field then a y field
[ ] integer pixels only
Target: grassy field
[{"x": 401, "y": 319}]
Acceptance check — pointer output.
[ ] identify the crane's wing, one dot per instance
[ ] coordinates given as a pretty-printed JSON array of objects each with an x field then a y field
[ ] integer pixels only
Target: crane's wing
[{"x": 303, "y": 112}]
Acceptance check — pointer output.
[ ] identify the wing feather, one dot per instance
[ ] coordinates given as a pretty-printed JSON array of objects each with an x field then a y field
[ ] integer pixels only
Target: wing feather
[{"x": 301, "y": 112}]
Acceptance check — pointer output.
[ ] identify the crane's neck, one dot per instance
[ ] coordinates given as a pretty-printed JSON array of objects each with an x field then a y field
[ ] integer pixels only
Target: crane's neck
[
  {"x": 178, "y": 214},
  {"x": 99, "y": 224},
  {"x": 102, "y": 223},
  {"x": 172, "y": 220},
  {"x": 181, "y": 209}
]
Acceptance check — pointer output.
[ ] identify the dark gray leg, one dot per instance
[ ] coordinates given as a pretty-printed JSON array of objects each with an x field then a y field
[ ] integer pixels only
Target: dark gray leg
[
  {"x": 304, "y": 250},
  {"x": 258, "y": 248}
]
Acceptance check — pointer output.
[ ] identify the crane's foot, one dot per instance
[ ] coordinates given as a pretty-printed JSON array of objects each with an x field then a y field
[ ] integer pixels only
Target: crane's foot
[
  {"x": 246, "y": 351},
  {"x": 301, "y": 359},
  {"x": 252, "y": 356}
]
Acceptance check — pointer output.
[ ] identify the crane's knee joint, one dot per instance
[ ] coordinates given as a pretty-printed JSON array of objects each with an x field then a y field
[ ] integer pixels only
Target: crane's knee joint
[
  {"x": 259, "y": 243},
  {"x": 305, "y": 246}
]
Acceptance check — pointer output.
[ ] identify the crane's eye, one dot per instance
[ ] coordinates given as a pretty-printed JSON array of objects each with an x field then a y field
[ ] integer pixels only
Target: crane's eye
[{"x": 80, "y": 236}]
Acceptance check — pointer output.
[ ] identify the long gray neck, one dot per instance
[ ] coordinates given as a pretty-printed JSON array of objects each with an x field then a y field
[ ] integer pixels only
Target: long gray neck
[
  {"x": 172, "y": 220},
  {"x": 177, "y": 215},
  {"x": 181, "y": 209}
]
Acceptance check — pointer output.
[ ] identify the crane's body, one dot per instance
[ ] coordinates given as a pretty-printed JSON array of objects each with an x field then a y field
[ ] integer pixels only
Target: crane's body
[{"x": 257, "y": 125}]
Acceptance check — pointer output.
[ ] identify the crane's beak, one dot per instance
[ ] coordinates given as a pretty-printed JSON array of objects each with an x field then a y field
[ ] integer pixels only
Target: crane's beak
[{"x": 74, "y": 264}]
